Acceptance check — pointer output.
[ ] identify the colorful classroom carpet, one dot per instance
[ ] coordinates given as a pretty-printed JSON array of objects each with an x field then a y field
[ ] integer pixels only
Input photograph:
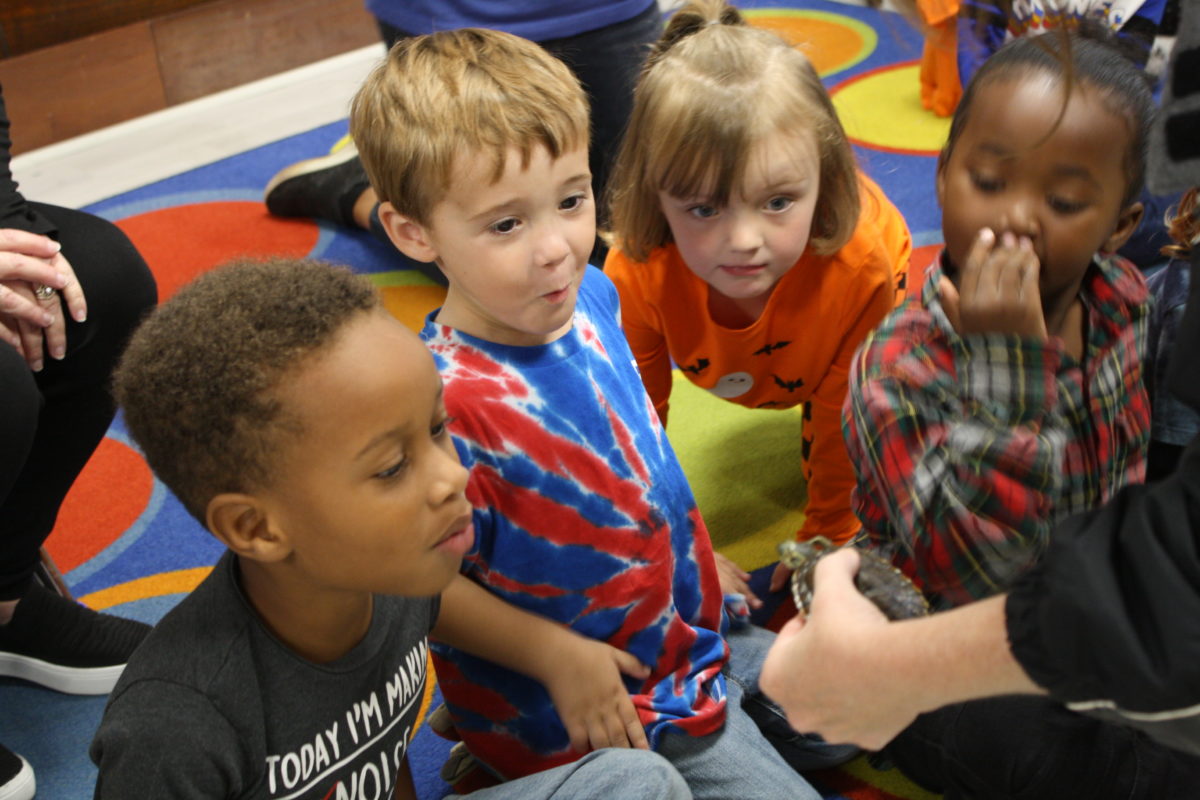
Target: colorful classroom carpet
[{"x": 126, "y": 545}]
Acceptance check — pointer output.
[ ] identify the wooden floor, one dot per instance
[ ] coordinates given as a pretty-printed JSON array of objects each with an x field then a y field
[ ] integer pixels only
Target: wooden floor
[
  {"x": 104, "y": 163},
  {"x": 93, "y": 166},
  {"x": 84, "y": 84}
]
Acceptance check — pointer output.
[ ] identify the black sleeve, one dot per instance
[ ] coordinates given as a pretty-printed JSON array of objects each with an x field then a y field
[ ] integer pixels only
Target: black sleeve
[
  {"x": 1109, "y": 620},
  {"x": 14, "y": 211}
]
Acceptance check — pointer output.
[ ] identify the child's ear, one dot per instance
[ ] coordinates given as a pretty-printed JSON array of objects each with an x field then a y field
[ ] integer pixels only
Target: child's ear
[
  {"x": 410, "y": 237},
  {"x": 1127, "y": 223},
  {"x": 246, "y": 527}
]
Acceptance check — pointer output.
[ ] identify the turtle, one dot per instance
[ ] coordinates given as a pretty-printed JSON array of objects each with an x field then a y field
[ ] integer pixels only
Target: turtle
[{"x": 881, "y": 583}]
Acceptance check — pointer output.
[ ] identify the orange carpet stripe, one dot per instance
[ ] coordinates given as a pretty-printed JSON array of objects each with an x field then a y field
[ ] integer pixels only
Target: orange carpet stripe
[{"x": 176, "y": 582}]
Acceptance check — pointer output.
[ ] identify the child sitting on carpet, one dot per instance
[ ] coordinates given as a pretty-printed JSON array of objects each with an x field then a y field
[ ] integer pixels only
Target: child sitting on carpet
[
  {"x": 1007, "y": 395},
  {"x": 597, "y": 604},
  {"x": 748, "y": 248},
  {"x": 304, "y": 427}
]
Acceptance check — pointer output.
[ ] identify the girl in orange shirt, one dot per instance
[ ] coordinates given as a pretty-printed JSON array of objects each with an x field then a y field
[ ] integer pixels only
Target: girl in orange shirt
[{"x": 748, "y": 248}]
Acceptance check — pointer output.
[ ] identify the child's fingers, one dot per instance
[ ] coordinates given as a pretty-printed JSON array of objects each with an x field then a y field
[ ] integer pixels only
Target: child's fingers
[
  {"x": 734, "y": 580},
  {"x": 779, "y": 577},
  {"x": 622, "y": 728},
  {"x": 730, "y": 566},
  {"x": 579, "y": 735},
  {"x": 635, "y": 731},
  {"x": 1006, "y": 266},
  {"x": 971, "y": 273},
  {"x": 951, "y": 303},
  {"x": 630, "y": 665},
  {"x": 600, "y": 737},
  {"x": 1031, "y": 295}
]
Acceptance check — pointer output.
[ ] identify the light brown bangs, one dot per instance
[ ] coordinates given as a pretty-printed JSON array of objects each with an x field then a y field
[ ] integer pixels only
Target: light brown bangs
[{"x": 703, "y": 152}]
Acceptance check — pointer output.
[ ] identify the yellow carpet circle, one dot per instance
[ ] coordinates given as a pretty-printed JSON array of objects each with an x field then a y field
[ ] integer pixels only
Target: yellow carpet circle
[
  {"x": 881, "y": 109},
  {"x": 832, "y": 42}
]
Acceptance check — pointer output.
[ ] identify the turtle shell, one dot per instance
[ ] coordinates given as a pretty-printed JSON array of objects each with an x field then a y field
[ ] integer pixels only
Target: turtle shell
[{"x": 881, "y": 583}]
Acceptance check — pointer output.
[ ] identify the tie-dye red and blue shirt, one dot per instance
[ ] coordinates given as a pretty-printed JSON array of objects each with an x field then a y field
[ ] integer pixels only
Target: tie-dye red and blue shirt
[{"x": 582, "y": 515}]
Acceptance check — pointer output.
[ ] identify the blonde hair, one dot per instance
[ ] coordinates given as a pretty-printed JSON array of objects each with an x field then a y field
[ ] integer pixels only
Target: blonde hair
[
  {"x": 439, "y": 96},
  {"x": 712, "y": 88}
]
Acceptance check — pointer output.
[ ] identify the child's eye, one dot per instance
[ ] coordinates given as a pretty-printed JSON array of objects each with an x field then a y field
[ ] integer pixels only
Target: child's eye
[
  {"x": 573, "y": 202},
  {"x": 780, "y": 203},
  {"x": 442, "y": 428},
  {"x": 394, "y": 471},
  {"x": 703, "y": 211},
  {"x": 985, "y": 183},
  {"x": 1064, "y": 206},
  {"x": 506, "y": 225}
]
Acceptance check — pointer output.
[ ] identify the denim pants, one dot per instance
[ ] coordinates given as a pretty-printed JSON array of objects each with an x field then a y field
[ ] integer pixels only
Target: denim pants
[
  {"x": 748, "y": 648},
  {"x": 599, "y": 775},
  {"x": 740, "y": 760}
]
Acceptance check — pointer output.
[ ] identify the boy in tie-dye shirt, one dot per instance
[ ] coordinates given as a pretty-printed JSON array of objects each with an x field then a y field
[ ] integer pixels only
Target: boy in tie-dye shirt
[{"x": 589, "y": 612}]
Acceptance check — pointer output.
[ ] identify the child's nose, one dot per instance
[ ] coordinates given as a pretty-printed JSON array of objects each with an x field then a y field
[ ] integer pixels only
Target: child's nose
[
  {"x": 553, "y": 246},
  {"x": 451, "y": 479},
  {"x": 1020, "y": 219},
  {"x": 744, "y": 235}
]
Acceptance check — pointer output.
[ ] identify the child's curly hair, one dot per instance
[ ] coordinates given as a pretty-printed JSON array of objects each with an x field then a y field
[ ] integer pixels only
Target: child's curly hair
[{"x": 199, "y": 379}]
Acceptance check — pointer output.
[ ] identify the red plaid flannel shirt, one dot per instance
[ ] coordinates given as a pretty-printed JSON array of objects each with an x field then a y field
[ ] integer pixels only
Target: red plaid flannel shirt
[{"x": 968, "y": 449}]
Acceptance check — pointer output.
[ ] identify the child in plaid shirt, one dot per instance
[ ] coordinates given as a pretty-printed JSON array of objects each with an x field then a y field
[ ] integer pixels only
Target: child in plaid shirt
[{"x": 1007, "y": 393}]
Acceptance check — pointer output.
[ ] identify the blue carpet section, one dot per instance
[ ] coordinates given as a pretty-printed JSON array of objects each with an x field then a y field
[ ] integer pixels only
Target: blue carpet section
[{"x": 53, "y": 731}]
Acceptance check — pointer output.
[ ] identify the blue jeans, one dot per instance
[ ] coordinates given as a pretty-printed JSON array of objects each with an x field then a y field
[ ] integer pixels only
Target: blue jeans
[
  {"x": 740, "y": 760},
  {"x": 748, "y": 648},
  {"x": 599, "y": 775}
]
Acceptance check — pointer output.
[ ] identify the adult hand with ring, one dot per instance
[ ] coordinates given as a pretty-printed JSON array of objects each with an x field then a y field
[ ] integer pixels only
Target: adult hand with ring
[{"x": 31, "y": 320}]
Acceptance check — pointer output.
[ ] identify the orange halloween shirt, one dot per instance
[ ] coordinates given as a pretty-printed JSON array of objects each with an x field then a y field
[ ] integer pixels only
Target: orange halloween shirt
[{"x": 798, "y": 352}]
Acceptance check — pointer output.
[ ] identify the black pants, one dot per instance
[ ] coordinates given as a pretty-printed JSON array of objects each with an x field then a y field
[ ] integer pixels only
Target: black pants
[
  {"x": 52, "y": 421},
  {"x": 1021, "y": 748}
]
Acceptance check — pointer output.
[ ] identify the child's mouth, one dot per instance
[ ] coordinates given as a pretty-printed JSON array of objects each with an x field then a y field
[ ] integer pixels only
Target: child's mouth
[
  {"x": 458, "y": 541},
  {"x": 741, "y": 270}
]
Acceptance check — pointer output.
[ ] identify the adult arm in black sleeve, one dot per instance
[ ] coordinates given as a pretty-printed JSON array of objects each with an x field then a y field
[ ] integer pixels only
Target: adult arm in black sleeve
[
  {"x": 1109, "y": 619},
  {"x": 14, "y": 211}
]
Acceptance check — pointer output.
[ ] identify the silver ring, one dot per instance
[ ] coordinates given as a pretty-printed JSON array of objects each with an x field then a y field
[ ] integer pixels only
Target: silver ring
[{"x": 43, "y": 292}]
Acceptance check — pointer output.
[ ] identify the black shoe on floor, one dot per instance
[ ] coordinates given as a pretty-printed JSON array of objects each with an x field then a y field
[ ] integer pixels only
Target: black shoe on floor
[
  {"x": 64, "y": 646},
  {"x": 16, "y": 776},
  {"x": 325, "y": 187}
]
